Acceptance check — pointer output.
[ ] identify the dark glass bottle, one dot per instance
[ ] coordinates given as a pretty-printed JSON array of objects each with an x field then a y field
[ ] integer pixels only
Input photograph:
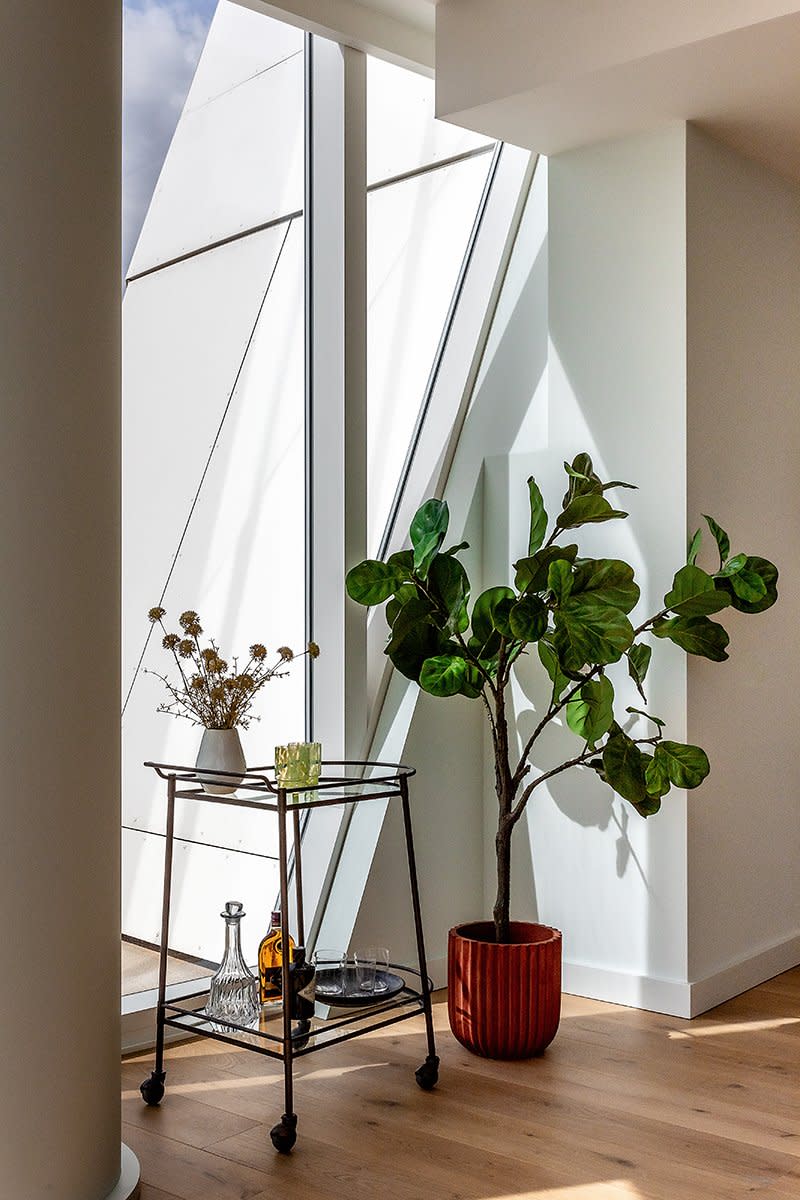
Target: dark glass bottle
[
  {"x": 270, "y": 960},
  {"x": 301, "y": 984}
]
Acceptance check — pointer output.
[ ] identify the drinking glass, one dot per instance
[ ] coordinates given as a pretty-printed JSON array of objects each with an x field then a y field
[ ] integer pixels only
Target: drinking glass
[
  {"x": 365, "y": 968},
  {"x": 332, "y": 963},
  {"x": 381, "y": 968}
]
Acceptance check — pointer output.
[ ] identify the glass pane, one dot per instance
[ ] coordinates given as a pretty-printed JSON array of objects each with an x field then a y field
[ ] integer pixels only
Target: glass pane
[
  {"x": 418, "y": 232},
  {"x": 402, "y": 133},
  {"x": 236, "y": 159},
  {"x": 241, "y": 560}
]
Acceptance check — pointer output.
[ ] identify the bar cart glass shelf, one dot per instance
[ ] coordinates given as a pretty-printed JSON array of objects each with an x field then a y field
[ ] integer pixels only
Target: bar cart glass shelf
[{"x": 275, "y": 1033}]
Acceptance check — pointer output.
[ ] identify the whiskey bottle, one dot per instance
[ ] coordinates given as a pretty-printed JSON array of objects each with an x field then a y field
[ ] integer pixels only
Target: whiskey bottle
[
  {"x": 270, "y": 960},
  {"x": 301, "y": 984}
]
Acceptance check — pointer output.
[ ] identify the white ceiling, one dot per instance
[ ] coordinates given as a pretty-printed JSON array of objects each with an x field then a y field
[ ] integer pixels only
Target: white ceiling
[
  {"x": 554, "y": 74},
  {"x": 401, "y": 31}
]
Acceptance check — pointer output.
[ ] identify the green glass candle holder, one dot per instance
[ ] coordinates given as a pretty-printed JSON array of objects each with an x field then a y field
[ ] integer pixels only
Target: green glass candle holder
[{"x": 298, "y": 765}]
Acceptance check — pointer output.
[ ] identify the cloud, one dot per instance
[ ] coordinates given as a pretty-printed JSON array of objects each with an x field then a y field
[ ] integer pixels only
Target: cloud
[{"x": 163, "y": 42}]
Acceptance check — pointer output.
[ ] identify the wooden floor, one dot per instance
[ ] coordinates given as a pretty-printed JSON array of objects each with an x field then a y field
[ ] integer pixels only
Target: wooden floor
[{"x": 625, "y": 1105}]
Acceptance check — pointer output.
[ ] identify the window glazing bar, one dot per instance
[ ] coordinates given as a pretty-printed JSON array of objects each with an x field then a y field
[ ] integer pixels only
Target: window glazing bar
[
  {"x": 226, "y": 241},
  {"x": 429, "y": 168}
]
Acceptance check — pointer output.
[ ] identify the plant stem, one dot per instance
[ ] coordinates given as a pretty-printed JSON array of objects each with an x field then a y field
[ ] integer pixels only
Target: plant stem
[{"x": 504, "y": 788}]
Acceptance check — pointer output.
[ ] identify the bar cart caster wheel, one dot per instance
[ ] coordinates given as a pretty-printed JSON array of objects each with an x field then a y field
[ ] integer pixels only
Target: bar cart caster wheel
[
  {"x": 153, "y": 1088},
  {"x": 284, "y": 1135},
  {"x": 427, "y": 1076}
]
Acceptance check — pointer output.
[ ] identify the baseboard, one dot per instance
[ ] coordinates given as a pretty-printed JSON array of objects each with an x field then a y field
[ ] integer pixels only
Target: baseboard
[
  {"x": 678, "y": 998},
  {"x": 139, "y": 1016},
  {"x": 745, "y": 973},
  {"x": 669, "y": 996}
]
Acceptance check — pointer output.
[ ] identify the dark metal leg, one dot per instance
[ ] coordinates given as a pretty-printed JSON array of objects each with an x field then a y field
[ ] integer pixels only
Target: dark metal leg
[
  {"x": 428, "y": 1074},
  {"x": 284, "y": 1134},
  {"x": 152, "y": 1089},
  {"x": 298, "y": 880}
]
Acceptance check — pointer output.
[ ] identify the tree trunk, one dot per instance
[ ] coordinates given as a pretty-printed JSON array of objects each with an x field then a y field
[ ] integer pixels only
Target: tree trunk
[
  {"x": 501, "y": 911},
  {"x": 505, "y": 800}
]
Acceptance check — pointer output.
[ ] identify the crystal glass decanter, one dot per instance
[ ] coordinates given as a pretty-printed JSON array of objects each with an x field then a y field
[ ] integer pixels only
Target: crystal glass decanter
[{"x": 233, "y": 994}]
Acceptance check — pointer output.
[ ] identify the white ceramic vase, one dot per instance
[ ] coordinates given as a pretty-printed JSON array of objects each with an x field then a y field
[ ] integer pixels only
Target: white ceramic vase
[{"x": 220, "y": 749}]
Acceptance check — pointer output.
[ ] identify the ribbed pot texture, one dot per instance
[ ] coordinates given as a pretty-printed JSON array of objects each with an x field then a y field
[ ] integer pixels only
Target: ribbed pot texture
[{"x": 504, "y": 1001}]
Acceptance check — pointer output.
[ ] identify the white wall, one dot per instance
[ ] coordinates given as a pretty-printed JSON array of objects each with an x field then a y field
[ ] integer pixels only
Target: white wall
[
  {"x": 743, "y": 458},
  {"x": 612, "y": 882},
  {"x": 444, "y": 744},
  {"x": 669, "y": 283},
  {"x": 608, "y": 283}
]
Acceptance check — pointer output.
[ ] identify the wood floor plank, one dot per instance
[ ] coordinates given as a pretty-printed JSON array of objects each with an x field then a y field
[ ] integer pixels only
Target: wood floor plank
[
  {"x": 625, "y": 1105},
  {"x": 184, "y": 1120},
  {"x": 148, "y": 1192},
  {"x": 188, "y": 1173}
]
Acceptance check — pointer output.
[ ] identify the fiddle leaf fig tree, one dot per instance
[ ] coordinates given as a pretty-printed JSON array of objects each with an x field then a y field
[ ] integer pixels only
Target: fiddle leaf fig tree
[{"x": 574, "y": 615}]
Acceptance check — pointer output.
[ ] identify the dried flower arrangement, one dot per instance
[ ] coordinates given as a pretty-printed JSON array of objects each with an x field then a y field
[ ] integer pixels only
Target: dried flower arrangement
[{"x": 213, "y": 693}]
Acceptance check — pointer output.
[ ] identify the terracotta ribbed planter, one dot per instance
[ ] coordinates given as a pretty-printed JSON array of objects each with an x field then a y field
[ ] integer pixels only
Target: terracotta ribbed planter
[{"x": 504, "y": 1001}]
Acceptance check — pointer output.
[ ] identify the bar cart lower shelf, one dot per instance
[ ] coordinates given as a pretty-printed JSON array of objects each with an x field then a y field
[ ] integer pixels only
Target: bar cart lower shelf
[{"x": 276, "y": 1034}]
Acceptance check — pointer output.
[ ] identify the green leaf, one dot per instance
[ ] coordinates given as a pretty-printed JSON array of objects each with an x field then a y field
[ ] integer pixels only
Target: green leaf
[
  {"x": 615, "y": 483},
  {"x": 656, "y": 777},
  {"x": 732, "y": 566},
  {"x": 649, "y": 806},
  {"x": 748, "y": 586},
  {"x": 582, "y": 479},
  {"x": 588, "y": 631},
  {"x": 472, "y": 684},
  {"x": 694, "y": 594},
  {"x": 487, "y": 651},
  {"x": 443, "y": 675},
  {"x": 610, "y": 579},
  {"x": 456, "y": 549},
  {"x": 528, "y": 619},
  {"x": 401, "y": 597},
  {"x": 538, "y": 517},
  {"x": 559, "y": 579},
  {"x": 694, "y": 547},
  {"x": 372, "y": 582},
  {"x": 531, "y": 573},
  {"x": 591, "y": 712},
  {"x": 587, "y": 510},
  {"x": 501, "y": 614},
  {"x": 414, "y": 638},
  {"x": 403, "y": 562},
  {"x": 768, "y": 573},
  {"x": 450, "y": 586},
  {"x": 624, "y": 767},
  {"x": 695, "y": 635},
  {"x": 427, "y": 533},
  {"x": 686, "y": 766},
  {"x": 720, "y": 537},
  {"x": 639, "y": 657},
  {"x": 641, "y": 713},
  {"x": 483, "y": 613},
  {"x": 549, "y": 660}
]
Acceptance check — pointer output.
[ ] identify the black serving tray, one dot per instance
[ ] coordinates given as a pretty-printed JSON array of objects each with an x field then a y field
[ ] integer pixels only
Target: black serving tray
[{"x": 353, "y": 996}]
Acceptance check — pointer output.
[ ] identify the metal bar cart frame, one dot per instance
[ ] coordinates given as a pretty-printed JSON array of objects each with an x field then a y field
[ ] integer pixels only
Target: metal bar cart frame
[{"x": 258, "y": 789}]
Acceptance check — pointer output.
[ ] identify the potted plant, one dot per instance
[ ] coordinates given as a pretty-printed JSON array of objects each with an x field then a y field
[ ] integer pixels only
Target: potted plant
[
  {"x": 216, "y": 695},
  {"x": 504, "y": 976}
]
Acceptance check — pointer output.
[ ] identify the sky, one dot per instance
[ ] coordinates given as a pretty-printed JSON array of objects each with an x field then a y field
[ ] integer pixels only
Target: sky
[{"x": 163, "y": 41}]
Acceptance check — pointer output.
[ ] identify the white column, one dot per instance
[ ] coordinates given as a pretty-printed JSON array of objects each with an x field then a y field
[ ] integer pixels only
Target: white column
[
  {"x": 59, "y": 600},
  {"x": 336, "y": 383},
  {"x": 336, "y": 216}
]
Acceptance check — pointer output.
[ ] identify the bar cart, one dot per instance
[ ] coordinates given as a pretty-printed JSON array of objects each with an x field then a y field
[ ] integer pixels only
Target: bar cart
[{"x": 341, "y": 783}]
